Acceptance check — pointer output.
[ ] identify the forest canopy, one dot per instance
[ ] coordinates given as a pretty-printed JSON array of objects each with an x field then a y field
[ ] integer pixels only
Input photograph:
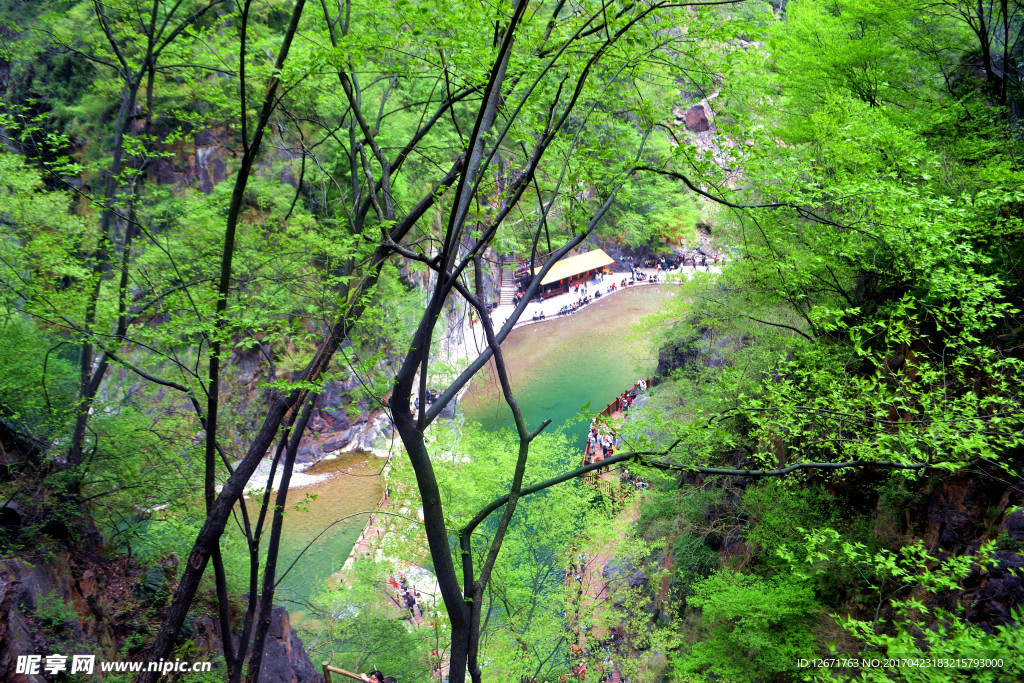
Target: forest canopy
[{"x": 240, "y": 236}]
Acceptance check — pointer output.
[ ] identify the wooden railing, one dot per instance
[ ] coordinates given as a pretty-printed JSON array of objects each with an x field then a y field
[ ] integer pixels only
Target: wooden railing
[
  {"x": 613, "y": 407},
  {"x": 328, "y": 669},
  {"x": 616, "y": 405}
]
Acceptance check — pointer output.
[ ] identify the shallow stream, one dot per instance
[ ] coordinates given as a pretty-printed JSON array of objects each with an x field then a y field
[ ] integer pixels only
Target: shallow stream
[{"x": 354, "y": 487}]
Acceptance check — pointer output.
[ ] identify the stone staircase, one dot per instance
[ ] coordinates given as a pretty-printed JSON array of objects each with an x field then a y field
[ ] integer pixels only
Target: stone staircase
[{"x": 508, "y": 284}]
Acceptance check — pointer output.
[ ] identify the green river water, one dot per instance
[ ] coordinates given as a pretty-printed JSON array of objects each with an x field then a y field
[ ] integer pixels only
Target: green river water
[
  {"x": 354, "y": 487},
  {"x": 556, "y": 368}
]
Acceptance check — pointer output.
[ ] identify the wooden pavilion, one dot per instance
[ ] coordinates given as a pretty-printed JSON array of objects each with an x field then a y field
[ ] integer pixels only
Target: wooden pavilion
[{"x": 572, "y": 271}]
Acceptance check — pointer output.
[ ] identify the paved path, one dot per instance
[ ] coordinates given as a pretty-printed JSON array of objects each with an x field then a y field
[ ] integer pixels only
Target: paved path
[
  {"x": 550, "y": 307},
  {"x": 588, "y": 589},
  {"x": 592, "y": 595}
]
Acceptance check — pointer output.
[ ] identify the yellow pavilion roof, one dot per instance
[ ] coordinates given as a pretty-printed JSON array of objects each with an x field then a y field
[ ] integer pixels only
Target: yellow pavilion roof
[{"x": 574, "y": 265}]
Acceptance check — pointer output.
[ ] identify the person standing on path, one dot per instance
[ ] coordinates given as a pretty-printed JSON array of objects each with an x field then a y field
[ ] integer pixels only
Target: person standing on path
[{"x": 410, "y": 603}]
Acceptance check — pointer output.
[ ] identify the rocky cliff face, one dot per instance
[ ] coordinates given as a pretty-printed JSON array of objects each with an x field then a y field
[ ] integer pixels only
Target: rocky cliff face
[
  {"x": 284, "y": 658},
  {"x": 704, "y": 349},
  {"x": 204, "y": 163},
  {"x": 956, "y": 517},
  {"x": 66, "y": 600},
  {"x": 342, "y": 418},
  {"x": 70, "y": 599}
]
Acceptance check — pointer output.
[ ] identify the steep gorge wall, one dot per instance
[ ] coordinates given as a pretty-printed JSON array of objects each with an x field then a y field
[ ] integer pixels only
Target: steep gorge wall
[
  {"x": 952, "y": 514},
  {"x": 68, "y": 596}
]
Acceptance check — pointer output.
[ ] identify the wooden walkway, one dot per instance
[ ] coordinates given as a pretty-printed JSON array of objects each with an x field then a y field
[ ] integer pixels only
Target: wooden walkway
[{"x": 588, "y": 592}]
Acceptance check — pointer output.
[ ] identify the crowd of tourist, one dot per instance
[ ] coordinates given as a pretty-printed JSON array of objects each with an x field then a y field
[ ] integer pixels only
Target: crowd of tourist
[
  {"x": 406, "y": 597},
  {"x": 635, "y": 275},
  {"x": 431, "y": 396},
  {"x": 691, "y": 258},
  {"x": 641, "y": 276},
  {"x": 608, "y": 650},
  {"x": 600, "y": 443},
  {"x": 576, "y": 305},
  {"x": 518, "y": 295},
  {"x": 625, "y": 400},
  {"x": 601, "y": 439},
  {"x": 628, "y": 479},
  {"x": 588, "y": 294}
]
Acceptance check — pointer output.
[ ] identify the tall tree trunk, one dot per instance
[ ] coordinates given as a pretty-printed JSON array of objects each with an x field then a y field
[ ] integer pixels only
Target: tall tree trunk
[
  {"x": 88, "y": 386},
  {"x": 263, "y": 623},
  {"x": 985, "y": 39},
  {"x": 437, "y": 538},
  {"x": 233, "y": 488},
  {"x": 1004, "y": 88}
]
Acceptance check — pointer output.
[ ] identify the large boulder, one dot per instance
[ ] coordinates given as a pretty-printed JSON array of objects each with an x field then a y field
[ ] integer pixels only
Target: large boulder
[
  {"x": 614, "y": 572},
  {"x": 285, "y": 659},
  {"x": 15, "y": 632},
  {"x": 999, "y": 594},
  {"x": 329, "y": 412},
  {"x": 450, "y": 409},
  {"x": 1013, "y": 526},
  {"x": 10, "y": 517},
  {"x": 337, "y": 441},
  {"x": 370, "y": 434},
  {"x": 309, "y": 451},
  {"x": 696, "y": 119}
]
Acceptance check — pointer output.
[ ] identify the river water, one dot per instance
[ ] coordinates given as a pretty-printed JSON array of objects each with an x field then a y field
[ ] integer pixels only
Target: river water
[
  {"x": 355, "y": 486},
  {"x": 556, "y": 368}
]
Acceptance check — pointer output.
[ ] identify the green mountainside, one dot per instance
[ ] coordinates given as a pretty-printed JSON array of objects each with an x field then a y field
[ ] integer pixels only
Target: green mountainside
[{"x": 238, "y": 237}]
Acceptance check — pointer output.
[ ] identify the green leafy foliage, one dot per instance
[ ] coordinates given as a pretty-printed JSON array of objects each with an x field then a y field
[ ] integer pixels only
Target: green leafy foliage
[
  {"x": 357, "y": 631},
  {"x": 35, "y": 389},
  {"x": 53, "y": 614},
  {"x": 966, "y": 651},
  {"x": 778, "y": 511},
  {"x": 873, "y": 317},
  {"x": 756, "y": 627}
]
